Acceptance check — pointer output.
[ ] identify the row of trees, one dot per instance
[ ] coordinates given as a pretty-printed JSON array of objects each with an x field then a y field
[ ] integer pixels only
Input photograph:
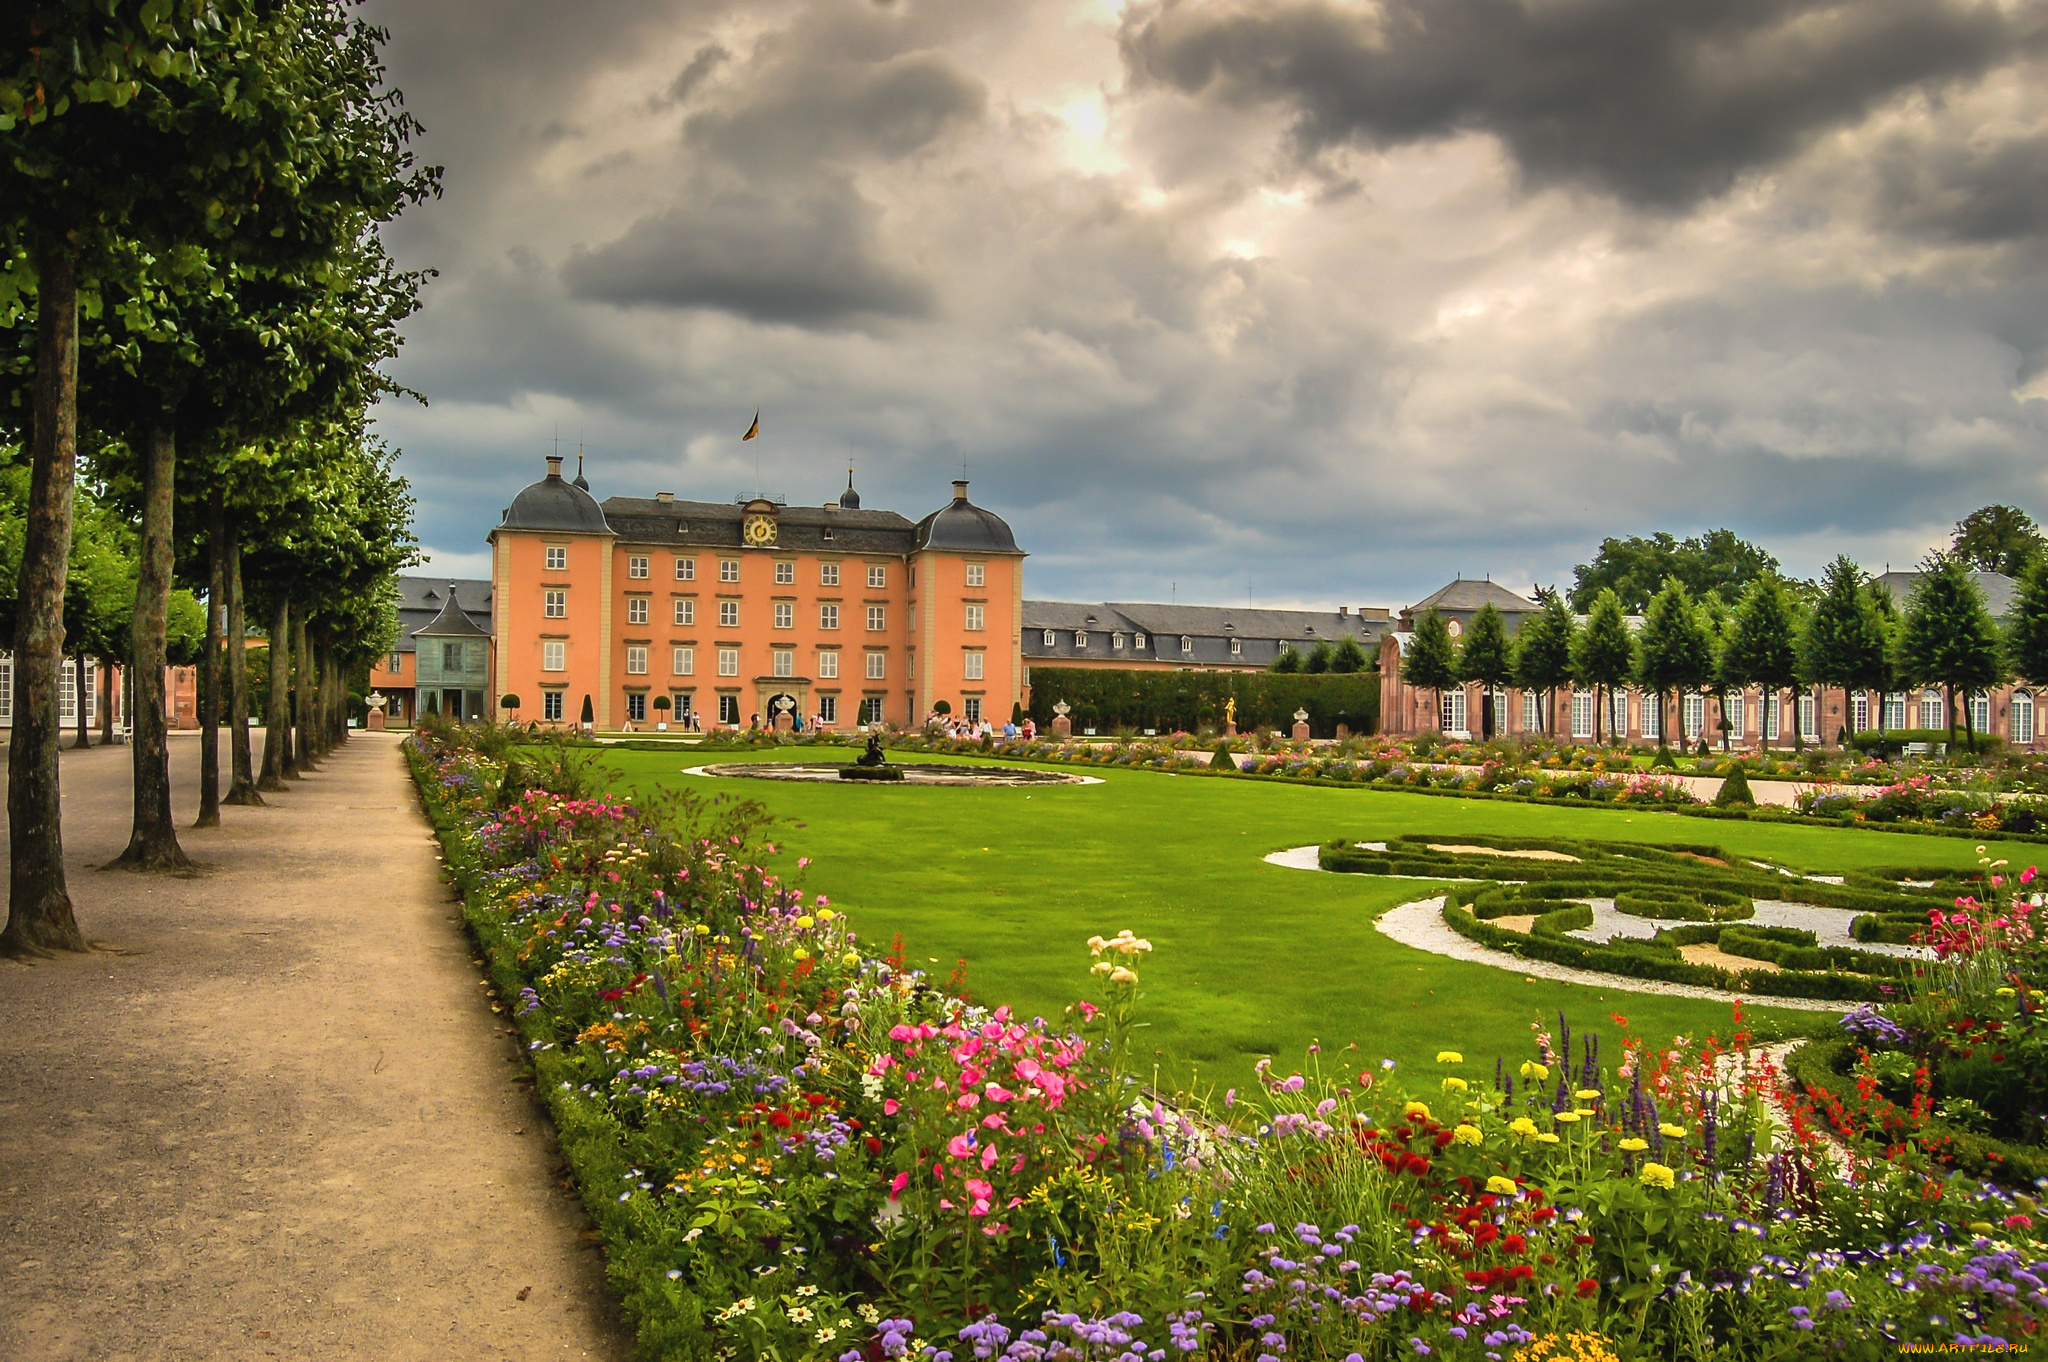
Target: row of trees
[
  {"x": 194, "y": 302},
  {"x": 1342, "y": 658},
  {"x": 1849, "y": 634}
]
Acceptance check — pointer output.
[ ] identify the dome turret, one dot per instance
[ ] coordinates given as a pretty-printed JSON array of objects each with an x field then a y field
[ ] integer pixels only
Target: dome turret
[
  {"x": 554, "y": 504},
  {"x": 963, "y": 527}
]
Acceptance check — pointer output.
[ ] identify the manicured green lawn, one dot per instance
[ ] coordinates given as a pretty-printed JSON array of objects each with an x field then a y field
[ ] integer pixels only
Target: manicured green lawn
[{"x": 1251, "y": 959}]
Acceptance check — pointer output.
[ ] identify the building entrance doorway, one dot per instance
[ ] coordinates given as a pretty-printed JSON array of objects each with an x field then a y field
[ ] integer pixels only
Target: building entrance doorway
[{"x": 451, "y": 704}]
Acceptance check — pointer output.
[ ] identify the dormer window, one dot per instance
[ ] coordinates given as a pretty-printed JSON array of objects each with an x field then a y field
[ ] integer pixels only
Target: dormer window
[
  {"x": 1080, "y": 638},
  {"x": 1116, "y": 640},
  {"x": 1237, "y": 647},
  {"x": 1187, "y": 645},
  {"x": 1050, "y": 638},
  {"x": 828, "y": 534},
  {"x": 1138, "y": 641}
]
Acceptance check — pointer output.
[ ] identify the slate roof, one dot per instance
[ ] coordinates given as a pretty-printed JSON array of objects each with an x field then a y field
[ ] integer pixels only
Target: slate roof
[
  {"x": 716, "y": 525},
  {"x": 1998, "y": 589},
  {"x": 552, "y": 504},
  {"x": 1464, "y": 594},
  {"x": 452, "y": 621},
  {"x": 1208, "y": 628},
  {"x": 421, "y": 599},
  {"x": 963, "y": 527}
]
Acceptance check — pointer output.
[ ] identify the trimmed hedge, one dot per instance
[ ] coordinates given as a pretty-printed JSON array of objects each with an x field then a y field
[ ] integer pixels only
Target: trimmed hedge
[
  {"x": 1185, "y": 701},
  {"x": 1563, "y": 950},
  {"x": 1684, "y": 904}
]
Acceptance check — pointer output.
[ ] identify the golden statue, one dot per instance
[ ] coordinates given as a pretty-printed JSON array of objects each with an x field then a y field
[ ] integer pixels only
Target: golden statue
[{"x": 1230, "y": 711}]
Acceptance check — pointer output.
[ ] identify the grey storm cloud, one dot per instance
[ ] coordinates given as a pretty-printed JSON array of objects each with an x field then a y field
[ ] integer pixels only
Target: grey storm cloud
[
  {"x": 808, "y": 258},
  {"x": 1659, "y": 102},
  {"x": 805, "y": 111}
]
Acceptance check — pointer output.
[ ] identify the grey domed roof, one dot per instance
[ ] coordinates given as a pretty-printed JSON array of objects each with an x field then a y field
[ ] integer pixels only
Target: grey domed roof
[
  {"x": 552, "y": 504},
  {"x": 965, "y": 528}
]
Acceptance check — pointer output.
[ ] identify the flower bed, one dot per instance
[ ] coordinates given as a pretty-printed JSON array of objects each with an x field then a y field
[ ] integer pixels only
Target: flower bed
[{"x": 795, "y": 1147}]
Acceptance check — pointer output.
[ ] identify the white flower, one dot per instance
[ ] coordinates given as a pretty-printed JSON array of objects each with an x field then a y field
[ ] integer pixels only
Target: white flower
[
  {"x": 826, "y": 1335},
  {"x": 693, "y": 1234}
]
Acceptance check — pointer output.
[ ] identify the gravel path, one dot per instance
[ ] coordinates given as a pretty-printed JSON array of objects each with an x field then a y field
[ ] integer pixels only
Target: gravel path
[{"x": 276, "y": 1118}]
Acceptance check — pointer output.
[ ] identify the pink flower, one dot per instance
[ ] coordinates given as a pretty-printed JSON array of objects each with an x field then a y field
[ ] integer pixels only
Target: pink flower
[
  {"x": 961, "y": 1146},
  {"x": 988, "y": 1157},
  {"x": 897, "y": 1184},
  {"x": 968, "y": 1100},
  {"x": 980, "y": 1189},
  {"x": 890, "y": 1106},
  {"x": 998, "y": 1093}
]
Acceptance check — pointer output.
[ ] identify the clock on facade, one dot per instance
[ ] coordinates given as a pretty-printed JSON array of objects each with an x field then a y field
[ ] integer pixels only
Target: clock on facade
[{"x": 759, "y": 529}]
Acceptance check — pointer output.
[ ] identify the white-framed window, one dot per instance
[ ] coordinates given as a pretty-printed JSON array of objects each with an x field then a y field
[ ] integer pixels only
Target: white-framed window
[
  {"x": 1809, "y": 726},
  {"x": 2021, "y": 716},
  {"x": 1980, "y": 713},
  {"x": 1895, "y": 709},
  {"x": 1653, "y": 715},
  {"x": 977, "y": 575},
  {"x": 1772, "y": 722},
  {"x": 636, "y": 661},
  {"x": 7, "y": 689},
  {"x": 828, "y": 617},
  {"x": 878, "y": 666},
  {"x": 1453, "y": 717},
  {"x": 1932, "y": 713},
  {"x": 878, "y": 575},
  {"x": 871, "y": 709},
  {"x": 784, "y": 662},
  {"x": 1137, "y": 640},
  {"x": 971, "y": 663},
  {"x": 683, "y": 661},
  {"x": 1529, "y": 715},
  {"x": 1051, "y": 639},
  {"x": 878, "y": 618},
  {"x": 1237, "y": 647},
  {"x": 554, "y": 655},
  {"x": 636, "y": 610},
  {"x": 728, "y": 614},
  {"x": 396, "y": 663},
  {"x": 1187, "y": 645},
  {"x": 1617, "y": 713},
  {"x": 785, "y": 573},
  {"x": 976, "y": 614},
  {"x": 636, "y": 565},
  {"x": 1115, "y": 640},
  {"x": 728, "y": 662},
  {"x": 1080, "y": 638},
  {"x": 1732, "y": 711},
  {"x": 972, "y": 706},
  {"x": 686, "y": 611},
  {"x": 828, "y": 709},
  {"x": 1692, "y": 715},
  {"x": 785, "y": 615},
  {"x": 558, "y": 560},
  {"x": 636, "y": 706},
  {"x": 728, "y": 569},
  {"x": 555, "y": 604},
  {"x": 686, "y": 569},
  {"x": 729, "y": 709},
  {"x": 828, "y": 574},
  {"x": 828, "y": 664},
  {"x": 551, "y": 706},
  {"x": 1859, "y": 710},
  {"x": 1582, "y": 713}
]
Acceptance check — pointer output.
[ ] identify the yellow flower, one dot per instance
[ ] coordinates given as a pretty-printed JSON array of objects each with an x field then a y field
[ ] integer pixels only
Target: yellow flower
[
  {"x": 1522, "y": 1126},
  {"x": 1587, "y": 1094},
  {"x": 1449, "y": 1057},
  {"x": 1467, "y": 1135},
  {"x": 806, "y": 921},
  {"x": 826, "y": 915},
  {"x": 1671, "y": 1132},
  {"x": 2004, "y": 992},
  {"x": 1531, "y": 1069},
  {"x": 1547, "y": 1138},
  {"x": 801, "y": 954},
  {"x": 703, "y": 929},
  {"x": 1416, "y": 1111},
  {"x": 1656, "y": 1175},
  {"x": 1635, "y": 1146},
  {"x": 1455, "y": 1085},
  {"x": 1583, "y": 1112},
  {"x": 850, "y": 959},
  {"x": 1565, "y": 1117},
  {"x": 1501, "y": 1186}
]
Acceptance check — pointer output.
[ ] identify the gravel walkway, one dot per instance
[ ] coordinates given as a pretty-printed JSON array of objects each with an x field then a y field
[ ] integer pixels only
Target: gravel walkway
[{"x": 277, "y": 1116}]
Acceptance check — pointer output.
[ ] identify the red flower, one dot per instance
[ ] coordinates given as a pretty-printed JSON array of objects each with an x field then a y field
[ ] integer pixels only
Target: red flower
[
  {"x": 1587, "y": 1286},
  {"x": 780, "y": 1120},
  {"x": 1415, "y": 1164},
  {"x": 1485, "y": 1234},
  {"x": 1514, "y": 1243},
  {"x": 1542, "y": 1213},
  {"x": 1582, "y": 1239},
  {"x": 874, "y": 1145},
  {"x": 1521, "y": 1272},
  {"x": 1443, "y": 1138}
]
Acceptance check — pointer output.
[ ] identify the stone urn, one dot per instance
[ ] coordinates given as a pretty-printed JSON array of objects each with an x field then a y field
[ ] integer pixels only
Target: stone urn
[
  {"x": 1301, "y": 725},
  {"x": 1062, "y": 726}
]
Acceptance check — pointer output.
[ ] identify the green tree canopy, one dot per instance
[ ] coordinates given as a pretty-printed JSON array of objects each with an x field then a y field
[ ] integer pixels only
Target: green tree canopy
[
  {"x": 1543, "y": 649},
  {"x": 1762, "y": 646},
  {"x": 1487, "y": 658},
  {"x": 1637, "y": 568},
  {"x": 1947, "y": 637},
  {"x": 1318, "y": 660},
  {"x": 1431, "y": 662},
  {"x": 2026, "y": 630},
  {"x": 1675, "y": 652},
  {"x": 1998, "y": 539},
  {"x": 1847, "y": 639},
  {"x": 1289, "y": 659},
  {"x": 1603, "y": 655},
  {"x": 1347, "y": 656}
]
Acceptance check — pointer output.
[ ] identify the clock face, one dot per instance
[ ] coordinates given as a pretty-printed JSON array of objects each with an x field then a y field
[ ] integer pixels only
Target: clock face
[{"x": 759, "y": 529}]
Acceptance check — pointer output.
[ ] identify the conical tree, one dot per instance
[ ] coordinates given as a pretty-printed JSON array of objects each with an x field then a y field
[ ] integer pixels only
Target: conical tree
[
  {"x": 1431, "y": 662},
  {"x": 2026, "y": 629},
  {"x": 1846, "y": 640},
  {"x": 1674, "y": 652},
  {"x": 1488, "y": 659},
  {"x": 1603, "y": 654},
  {"x": 1543, "y": 650},
  {"x": 1762, "y": 648},
  {"x": 1948, "y": 638}
]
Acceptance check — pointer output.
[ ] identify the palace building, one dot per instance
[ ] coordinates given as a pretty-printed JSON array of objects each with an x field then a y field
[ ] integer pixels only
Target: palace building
[{"x": 750, "y": 612}]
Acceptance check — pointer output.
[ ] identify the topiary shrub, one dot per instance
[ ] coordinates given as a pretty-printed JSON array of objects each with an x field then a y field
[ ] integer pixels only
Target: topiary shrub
[
  {"x": 1734, "y": 791},
  {"x": 1221, "y": 759},
  {"x": 1664, "y": 760}
]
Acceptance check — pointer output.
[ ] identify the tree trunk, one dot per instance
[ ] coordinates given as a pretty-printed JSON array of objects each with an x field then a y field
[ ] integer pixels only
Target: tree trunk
[
  {"x": 210, "y": 672},
  {"x": 39, "y": 916},
  {"x": 81, "y": 695},
  {"x": 305, "y": 742},
  {"x": 107, "y": 696},
  {"x": 277, "y": 724},
  {"x": 153, "y": 836},
  {"x": 242, "y": 788}
]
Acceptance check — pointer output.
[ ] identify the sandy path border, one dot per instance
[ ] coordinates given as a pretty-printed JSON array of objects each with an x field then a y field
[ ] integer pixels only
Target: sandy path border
[{"x": 283, "y": 1120}]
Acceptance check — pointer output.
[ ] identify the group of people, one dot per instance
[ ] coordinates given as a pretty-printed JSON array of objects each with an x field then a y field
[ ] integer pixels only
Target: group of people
[{"x": 955, "y": 726}]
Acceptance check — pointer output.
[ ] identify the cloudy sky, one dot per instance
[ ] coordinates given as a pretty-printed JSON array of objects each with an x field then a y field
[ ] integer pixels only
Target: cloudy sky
[{"x": 1318, "y": 301}]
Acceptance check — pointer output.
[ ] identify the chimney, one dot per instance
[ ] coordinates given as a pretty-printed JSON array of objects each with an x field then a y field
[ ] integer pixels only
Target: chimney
[
  {"x": 959, "y": 490},
  {"x": 1342, "y": 611},
  {"x": 554, "y": 466},
  {"x": 664, "y": 497}
]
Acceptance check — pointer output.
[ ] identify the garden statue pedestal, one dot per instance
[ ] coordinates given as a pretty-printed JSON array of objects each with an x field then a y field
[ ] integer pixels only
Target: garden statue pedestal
[
  {"x": 375, "y": 702},
  {"x": 1062, "y": 726},
  {"x": 1301, "y": 725},
  {"x": 1229, "y": 729}
]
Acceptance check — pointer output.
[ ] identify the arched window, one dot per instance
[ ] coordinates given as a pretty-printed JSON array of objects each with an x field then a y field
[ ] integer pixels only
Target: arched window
[
  {"x": 1693, "y": 714},
  {"x": 1582, "y": 714},
  {"x": 1932, "y": 714},
  {"x": 1980, "y": 713},
  {"x": 1453, "y": 717},
  {"x": 1187, "y": 645},
  {"x": 2022, "y": 715}
]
